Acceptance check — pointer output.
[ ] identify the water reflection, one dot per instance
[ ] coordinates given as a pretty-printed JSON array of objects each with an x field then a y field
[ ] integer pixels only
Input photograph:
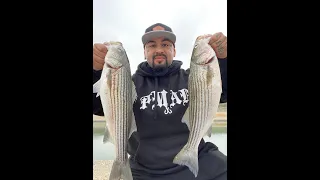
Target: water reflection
[{"x": 102, "y": 151}]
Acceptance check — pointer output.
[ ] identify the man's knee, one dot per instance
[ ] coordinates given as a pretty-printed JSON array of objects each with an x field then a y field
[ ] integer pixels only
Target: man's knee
[
  {"x": 222, "y": 176},
  {"x": 219, "y": 156},
  {"x": 213, "y": 164},
  {"x": 221, "y": 160}
]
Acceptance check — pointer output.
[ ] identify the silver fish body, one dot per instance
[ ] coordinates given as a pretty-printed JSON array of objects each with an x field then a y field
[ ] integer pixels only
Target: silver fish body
[
  {"x": 117, "y": 94},
  {"x": 205, "y": 89}
]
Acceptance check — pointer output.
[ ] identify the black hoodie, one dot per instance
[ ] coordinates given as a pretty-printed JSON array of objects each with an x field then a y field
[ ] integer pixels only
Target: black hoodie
[{"x": 161, "y": 103}]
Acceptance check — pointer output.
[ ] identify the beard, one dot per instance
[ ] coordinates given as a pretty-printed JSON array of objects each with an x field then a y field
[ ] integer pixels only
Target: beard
[{"x": 159, "y": 67}]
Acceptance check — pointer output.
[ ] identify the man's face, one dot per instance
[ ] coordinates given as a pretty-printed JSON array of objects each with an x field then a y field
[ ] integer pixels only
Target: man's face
[{"x": 159, "y": 53}]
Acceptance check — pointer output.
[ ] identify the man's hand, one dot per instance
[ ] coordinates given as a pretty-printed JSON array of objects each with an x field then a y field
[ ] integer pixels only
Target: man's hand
[
  {"x": 99, "y": 53},
  {"x": 218, "y": 42}
]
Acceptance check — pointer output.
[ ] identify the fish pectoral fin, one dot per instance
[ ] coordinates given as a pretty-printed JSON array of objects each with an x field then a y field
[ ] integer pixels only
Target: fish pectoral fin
[
  {"x": 96, "y": 87},
  {"x": 185, "y": 118},
  {"x": 133, "y": 126}
]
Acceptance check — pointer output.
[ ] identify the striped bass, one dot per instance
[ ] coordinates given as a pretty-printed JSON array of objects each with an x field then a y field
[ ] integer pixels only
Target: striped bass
[
  {"x": 205, "y": 89},
  {"x": 117, "y": 93}
]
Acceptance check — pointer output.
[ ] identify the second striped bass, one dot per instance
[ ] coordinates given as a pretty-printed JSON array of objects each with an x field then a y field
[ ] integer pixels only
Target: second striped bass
[{"x": 205, "y": 89}]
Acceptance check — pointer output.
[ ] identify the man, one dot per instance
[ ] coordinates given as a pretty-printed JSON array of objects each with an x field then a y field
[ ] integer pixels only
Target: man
[{"x": 162, "y": 88}]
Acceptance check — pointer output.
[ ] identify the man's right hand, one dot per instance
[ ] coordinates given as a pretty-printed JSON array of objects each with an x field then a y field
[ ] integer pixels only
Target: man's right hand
[{"x": 99, "y": 53}]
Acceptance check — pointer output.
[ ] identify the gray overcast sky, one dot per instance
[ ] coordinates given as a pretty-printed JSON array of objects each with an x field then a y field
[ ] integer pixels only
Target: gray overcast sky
[{"x": 126, "y": 21}]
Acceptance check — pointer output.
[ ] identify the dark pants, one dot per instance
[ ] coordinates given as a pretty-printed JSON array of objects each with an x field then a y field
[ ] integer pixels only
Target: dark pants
[{"x": 212, "y": 166}]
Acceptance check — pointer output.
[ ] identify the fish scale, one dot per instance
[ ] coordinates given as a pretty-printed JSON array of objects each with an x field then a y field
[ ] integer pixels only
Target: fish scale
[
  {"x": 121, "y": 100},
  {"x": 200, "y": 93},
  {"x": 205, "y": 89},
  {"x": 117, "y": 94}
]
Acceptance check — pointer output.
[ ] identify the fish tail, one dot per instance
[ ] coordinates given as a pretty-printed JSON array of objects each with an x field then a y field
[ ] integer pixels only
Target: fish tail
[
  {"x": 120, "y": 171},
  {"x": 189, "y": 158}
]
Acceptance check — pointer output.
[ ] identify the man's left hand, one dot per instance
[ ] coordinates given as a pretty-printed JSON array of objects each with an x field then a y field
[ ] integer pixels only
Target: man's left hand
[{"x": 218, "y": 42}]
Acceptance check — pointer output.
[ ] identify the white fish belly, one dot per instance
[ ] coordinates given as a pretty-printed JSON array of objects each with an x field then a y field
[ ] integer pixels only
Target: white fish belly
[
  {"x": 200, "y": 108},
  {"x": 121, "y": 100}
]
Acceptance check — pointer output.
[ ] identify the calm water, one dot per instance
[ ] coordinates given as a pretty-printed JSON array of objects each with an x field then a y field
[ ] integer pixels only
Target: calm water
[{"x": 107, "y": 151}]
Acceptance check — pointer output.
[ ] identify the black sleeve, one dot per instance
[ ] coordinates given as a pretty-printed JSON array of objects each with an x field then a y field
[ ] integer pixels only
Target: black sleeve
[
  {"x": 223, "y": 71},
  {"x": 96, "y": 103}
]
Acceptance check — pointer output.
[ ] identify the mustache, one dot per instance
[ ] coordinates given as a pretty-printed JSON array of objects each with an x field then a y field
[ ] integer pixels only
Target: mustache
[{"x": 157, "y": 54}]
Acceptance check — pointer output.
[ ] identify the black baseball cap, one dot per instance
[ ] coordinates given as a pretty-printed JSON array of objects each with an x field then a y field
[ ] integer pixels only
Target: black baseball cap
[{"x": 158, "y": 30}]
